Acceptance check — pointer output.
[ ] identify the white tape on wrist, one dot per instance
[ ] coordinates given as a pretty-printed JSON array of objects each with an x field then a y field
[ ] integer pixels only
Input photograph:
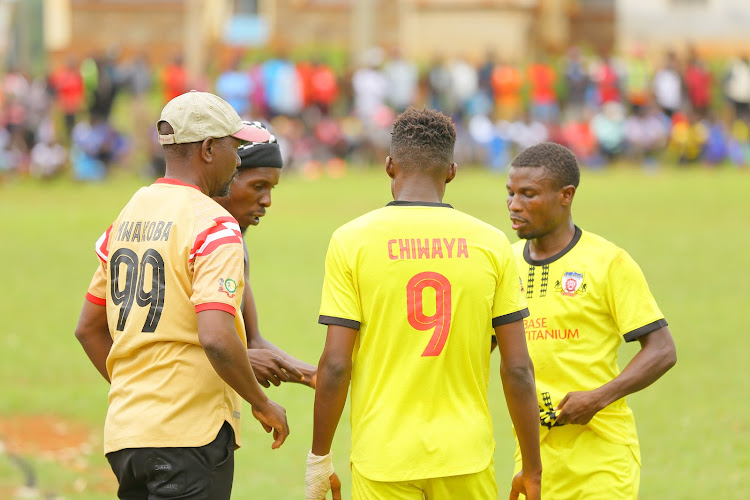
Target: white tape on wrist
[{"x": 317, "y": 476}]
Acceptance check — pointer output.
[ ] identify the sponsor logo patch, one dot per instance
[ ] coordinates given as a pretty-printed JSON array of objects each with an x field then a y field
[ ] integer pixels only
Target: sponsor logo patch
[{"x": 228, "y": 286}]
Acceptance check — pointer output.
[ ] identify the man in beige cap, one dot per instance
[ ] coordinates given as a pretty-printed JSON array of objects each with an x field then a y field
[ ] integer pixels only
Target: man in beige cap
[{"x": 162, "y": 318}]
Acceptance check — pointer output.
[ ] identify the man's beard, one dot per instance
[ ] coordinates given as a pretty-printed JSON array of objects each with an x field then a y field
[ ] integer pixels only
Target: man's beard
[
  {"x": 224, "y": 191},
  {"x": 527, "y": 235}
]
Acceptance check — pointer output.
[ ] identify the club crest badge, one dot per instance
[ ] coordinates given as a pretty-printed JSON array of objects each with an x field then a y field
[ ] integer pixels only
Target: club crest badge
[
  {"x": 228, "y": 286},
  {"x": 522, "y": 288},
  {"x": 571, "y": 284}
]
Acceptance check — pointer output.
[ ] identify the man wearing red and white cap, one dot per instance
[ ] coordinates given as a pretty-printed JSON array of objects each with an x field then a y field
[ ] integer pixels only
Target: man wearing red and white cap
[{"x": 162, "y": 320}]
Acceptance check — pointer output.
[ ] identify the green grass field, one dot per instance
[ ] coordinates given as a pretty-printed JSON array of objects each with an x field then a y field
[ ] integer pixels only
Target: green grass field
[{"x": 689, "y": 231}]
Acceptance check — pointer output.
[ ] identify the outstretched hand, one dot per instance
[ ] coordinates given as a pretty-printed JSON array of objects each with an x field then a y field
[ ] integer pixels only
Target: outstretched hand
[{"x": 270, "y": 368}]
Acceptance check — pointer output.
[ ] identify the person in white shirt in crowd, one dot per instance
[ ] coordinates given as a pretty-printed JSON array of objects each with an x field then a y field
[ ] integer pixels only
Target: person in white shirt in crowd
[
  {"x": 402, "y": 79},
  {"x": 668, "y": 87},
  {"x": 737, "y": 86}
]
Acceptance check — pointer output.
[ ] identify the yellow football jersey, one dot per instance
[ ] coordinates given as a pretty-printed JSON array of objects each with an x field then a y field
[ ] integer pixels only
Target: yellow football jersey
[
  {"x": 424, "y": 284},
  {"x": 172, "y": 252},
  {"x": 583, "y": 302}
]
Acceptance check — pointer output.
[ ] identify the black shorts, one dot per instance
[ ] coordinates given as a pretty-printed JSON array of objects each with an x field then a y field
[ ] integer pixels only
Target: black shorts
[{"x": 204, "y": 472}]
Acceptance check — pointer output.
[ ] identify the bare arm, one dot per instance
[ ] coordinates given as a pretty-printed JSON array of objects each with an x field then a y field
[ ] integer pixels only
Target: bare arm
[
  {"x": 657, "y": 355},
  {"x": 92, "y": 332},
  {"x": 227, "y": 354},
  {"x": 334, "y": 375},
  {"x": 517, "y": 373},
  {"x": 271, "y": 364}
]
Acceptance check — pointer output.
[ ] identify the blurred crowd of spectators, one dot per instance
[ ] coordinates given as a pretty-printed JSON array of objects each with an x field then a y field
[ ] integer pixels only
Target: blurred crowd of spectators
[{"x": 604, "y": 107}]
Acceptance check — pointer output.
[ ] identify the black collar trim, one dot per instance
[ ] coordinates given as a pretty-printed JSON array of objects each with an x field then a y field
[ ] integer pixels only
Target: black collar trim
[
  {"x": 417, "y": 204},
  {"x": 550, "y": 260}
]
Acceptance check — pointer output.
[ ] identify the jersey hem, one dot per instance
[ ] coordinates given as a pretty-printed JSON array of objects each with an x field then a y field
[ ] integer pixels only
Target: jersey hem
[
  {"x": 644, "y": 330},
  {"x": 96, "y": 300},
  {"x": 418, "y": 476},
  {"x": 216, "y": 306},
  {"x": 333, "y": 320},
  {"x": 172, "y": 441},
  {"x": 510, "y": 318}
]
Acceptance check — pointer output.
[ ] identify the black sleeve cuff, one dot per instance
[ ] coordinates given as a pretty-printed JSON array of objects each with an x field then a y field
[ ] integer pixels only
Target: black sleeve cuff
[
  {"x": 332, "y": 320},
  {"x": 644, "y": 330},
  {"x": 510, "y": 318}
]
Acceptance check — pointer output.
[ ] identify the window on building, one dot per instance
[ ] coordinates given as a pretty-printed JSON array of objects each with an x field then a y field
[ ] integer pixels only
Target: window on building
[{"x": 245, "y": 6}]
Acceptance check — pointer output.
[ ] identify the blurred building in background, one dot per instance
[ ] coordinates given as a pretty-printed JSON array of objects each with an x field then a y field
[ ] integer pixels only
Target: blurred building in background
[
  {"x": 159, "y": 29},
  {"x": 420, "y": 29},
  {"x": 715, "y": 27},
  {"x": 35, "y": 32}
]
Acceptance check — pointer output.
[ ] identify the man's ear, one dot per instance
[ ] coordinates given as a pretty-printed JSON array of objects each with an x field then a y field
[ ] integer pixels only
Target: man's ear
[
  {"x": 389, "y": 167},
  {"x": 566, "y": 195},
  {"x": 451, "y": 172},
  {"x": 207, "y": 149}
]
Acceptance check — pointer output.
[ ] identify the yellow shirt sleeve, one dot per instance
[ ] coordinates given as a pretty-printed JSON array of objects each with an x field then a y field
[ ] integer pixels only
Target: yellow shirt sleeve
[
  {"x": 633, "y": 307},
  {"x": 97, "y": 292},
  {"x": 339, "y": 304},
  {"x": 509, "y": 304}
]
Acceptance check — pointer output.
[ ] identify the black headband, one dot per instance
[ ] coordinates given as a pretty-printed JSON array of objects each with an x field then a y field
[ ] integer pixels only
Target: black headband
[
  {"x": 260, "y": 154},
  {"x": 263, "y": 154}
]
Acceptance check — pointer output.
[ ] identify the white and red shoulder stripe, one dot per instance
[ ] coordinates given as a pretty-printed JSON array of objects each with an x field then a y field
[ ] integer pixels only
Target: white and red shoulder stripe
[
  {"x": 101, "y": 245},
  {"x": 225, "y": 231}
]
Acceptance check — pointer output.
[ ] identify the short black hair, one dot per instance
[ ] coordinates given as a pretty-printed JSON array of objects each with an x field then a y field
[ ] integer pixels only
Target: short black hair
[
  {"x": 423, "y": 139},
  {"x": 558, "y": 160}
]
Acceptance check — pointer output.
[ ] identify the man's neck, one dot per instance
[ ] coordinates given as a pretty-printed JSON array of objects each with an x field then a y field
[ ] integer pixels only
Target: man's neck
[
  {"x": 419, "y": 191},
  {"x": 187, "y": 178},
  {"x": 553, "y": 242}
]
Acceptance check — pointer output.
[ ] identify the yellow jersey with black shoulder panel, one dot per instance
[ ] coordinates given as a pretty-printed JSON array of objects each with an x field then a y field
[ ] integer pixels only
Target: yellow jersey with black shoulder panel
[
  {"x": 583, "y": 303},
  {"x": 171, "y": 253},
  {"x": 424, "y": 284}
]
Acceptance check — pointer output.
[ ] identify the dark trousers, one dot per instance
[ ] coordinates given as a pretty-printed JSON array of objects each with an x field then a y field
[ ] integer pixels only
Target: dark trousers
[{"x": 203, "y": 472}]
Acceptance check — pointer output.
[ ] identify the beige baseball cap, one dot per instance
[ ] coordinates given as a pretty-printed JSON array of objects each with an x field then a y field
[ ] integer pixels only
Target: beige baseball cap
[{"x": 196, "y": 116}]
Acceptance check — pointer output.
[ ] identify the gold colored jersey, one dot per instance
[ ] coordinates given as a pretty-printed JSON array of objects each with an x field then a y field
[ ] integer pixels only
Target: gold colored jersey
[
  {"x": 172, "y": 252},
  {"x": 424, "y": 284},
  {"x": 584, "y": 301}
]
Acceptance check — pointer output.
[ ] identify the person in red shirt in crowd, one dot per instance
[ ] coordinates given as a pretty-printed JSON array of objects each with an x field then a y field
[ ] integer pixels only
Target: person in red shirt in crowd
[
  {"x": 542, "y": 78},
  {"x": 67, "y": 83},
  {"x": 607, "y": 80},
  {"x": 175, "y": 79},
  {"x": 580, "y": 139},
  {"x": 304, "y": 72},
  {"x": 324, "y": 87},
  {"x": 698, "y": 81},
  {"x": 506, "y": 81}
]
